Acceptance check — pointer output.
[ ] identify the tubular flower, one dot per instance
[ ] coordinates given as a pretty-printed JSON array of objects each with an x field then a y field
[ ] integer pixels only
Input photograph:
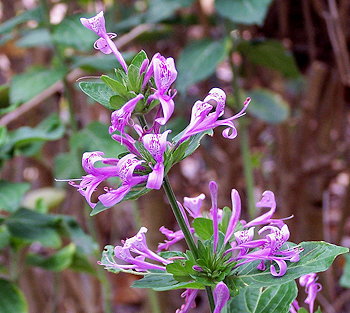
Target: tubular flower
[
  {"x": 104, "y": 43},
  {"x": 311, "y": 288},
  {"x": 203, "y": 119},
  {"x": 120, "y": 118},
  {"x": 189, "y": 295},
  {"x": 125, "y": 171},
  {"x": 134, "y": 253},
  {"x": 96, "y": 175},
  {"x": 156, "y": 145},
  {"x": 165, "y": 74}
]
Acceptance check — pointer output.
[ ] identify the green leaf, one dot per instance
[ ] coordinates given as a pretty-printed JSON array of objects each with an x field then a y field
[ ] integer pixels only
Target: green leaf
[
  {"x": 274, "y": 299},
  {"x": 11, "y": 195},
  {"x": 134, "y": 78},
  {"x": 243, "y": 11},
  {"x": 28, "y": 15},
  {"x": 198, "y": 61},
  {"x": 34, "y": 38},
  {"x": 99, "y": 92},
  {"x": 26, "y": 86},
  {"x": 316, "y": 257},
  {"x": 71, "y": 33},
  {"x": 271, "y": 54},
  {"x": 268, "y": 106},
  {"x": 49, "y": 129},
  {"x": 345, "y": 278},
  {"x": 32, "y": 226},
  {"x": 302, "y": 310},
  {"x": 203, "y": 227},
  {"x": 163, "y": 281},
  {"x": 116, "y": 86},
  {"x": 139, "y": 58},
  {"x": 12, "y": 299},
  {"x": 57, "y": 262},
  {"x": 160, "y": 10}
]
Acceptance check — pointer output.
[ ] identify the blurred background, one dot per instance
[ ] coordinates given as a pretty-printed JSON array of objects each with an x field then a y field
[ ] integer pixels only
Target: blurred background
[{"x": 290, "y": 57}]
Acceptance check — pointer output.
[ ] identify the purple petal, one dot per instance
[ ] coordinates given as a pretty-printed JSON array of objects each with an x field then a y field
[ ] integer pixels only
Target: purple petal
[
  {"x": 155, "y": 178},
  {"x": 193, "y": 205},
  {"x": 121, "y": 117},
  {"x": 282, "y": 268},
  {"x": 189, "y": 295},
  {"x": 95, "y": 23},
  {"x": 164, "y": 73},
  {"x": 221, "y": 296},
  {"x": 236, "y": 213},
  {"x": 114, "y": 196},
  {"x": 167, "y": 104},
  {"x": 268, "y": 200},
  {"x": 156, "y": 144},
  {"x": 217, "y": 97}
]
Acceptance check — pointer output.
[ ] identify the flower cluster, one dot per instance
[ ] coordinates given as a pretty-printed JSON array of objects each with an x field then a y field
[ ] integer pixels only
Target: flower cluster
[
  {"x": 144, "y": 165},
  {"x": 236, "y": 247}
]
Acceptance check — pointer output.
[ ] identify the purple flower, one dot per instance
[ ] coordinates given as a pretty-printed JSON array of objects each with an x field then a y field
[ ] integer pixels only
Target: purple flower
[
  {"x": 120, "y": 118},
  {"x": 125, "y": 171},
  {"x": 271, "y": 250},
  {"x": 311, "y": 288},
  {"x": 165, "y": 74},
  {"x": 96, "y": 175},
  {"x": 138, "y": 246},
  {"x": 189, "y": 295},
  {"x": 221, "y": 296},
  {"x": 294, "y": 307},
  {"x": 104, "y": 44},
  {"x": 156, "y": 145},
  {"x": 203, "y": 119}
]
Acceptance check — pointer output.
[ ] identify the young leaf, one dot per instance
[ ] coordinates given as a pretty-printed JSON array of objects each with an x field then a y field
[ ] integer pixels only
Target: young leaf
[
  {"x": 243, "y": 11},
  {"x": 11, "y": 195},
  {"x": 134, "y": 78},
  {"x": 12, "y": 299},
  {"x": 198, "y": 61},
  {"x": 274, "y": 299},
  {"x": 99, "y": 92},
  {"x": 316, "y": 257}
]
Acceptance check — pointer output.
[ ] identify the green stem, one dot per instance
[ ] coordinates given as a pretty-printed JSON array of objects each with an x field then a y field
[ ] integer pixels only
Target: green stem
[
  {"x": 178, "y": 215},
  {"x": 180, "y": 219},
  {"x": 244, "y": 138},
  {"x": 210, "y": 298}
]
